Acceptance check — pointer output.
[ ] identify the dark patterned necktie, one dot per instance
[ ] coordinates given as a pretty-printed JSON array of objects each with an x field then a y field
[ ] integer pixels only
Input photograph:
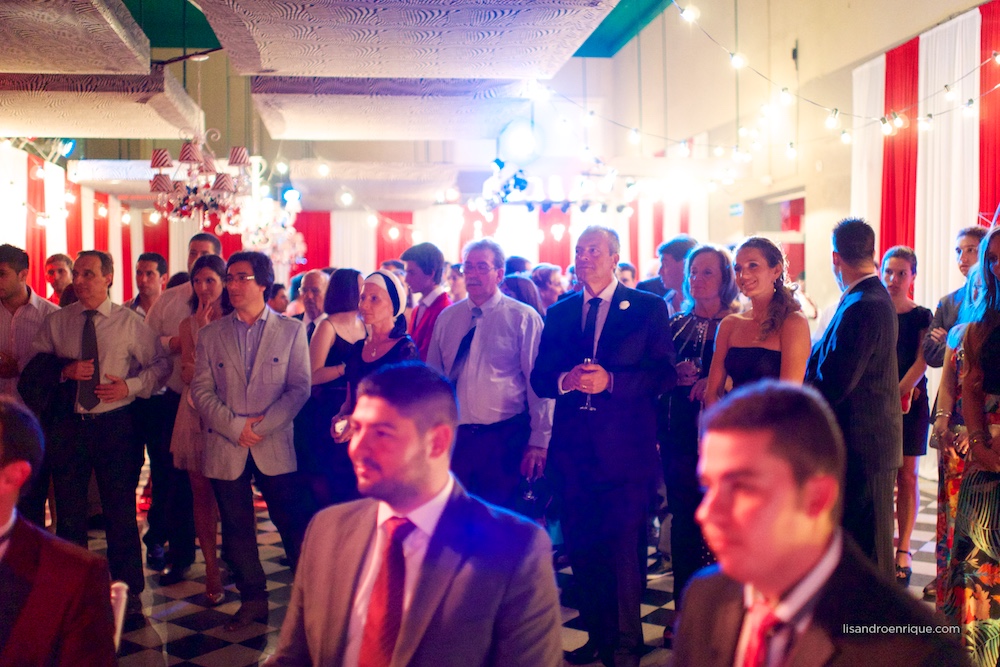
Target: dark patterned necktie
[
  {"x": 464, "y": 346},
  {"x": 88, "y": 350},
  {"x": 385, "y": 610},
  {"x": 310, "y": 328},
  {"x": 590, "y": 328}
]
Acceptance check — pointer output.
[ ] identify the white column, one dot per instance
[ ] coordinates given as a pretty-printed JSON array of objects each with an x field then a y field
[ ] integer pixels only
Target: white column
[
  {"x": 55, "y": 206},
  {"x": 115, "y": 248},
  {"x": 14, "y": 196},
  {"x": 352, "y": 241},
  {"x": 87, "y": 218}
]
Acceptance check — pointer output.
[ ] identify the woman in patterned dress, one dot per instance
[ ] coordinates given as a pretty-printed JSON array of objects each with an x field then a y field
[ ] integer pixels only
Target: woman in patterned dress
[{"x": 973, "y": 582}]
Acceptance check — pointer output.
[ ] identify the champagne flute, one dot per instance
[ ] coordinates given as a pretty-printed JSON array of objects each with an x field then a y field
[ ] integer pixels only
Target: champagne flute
[{"x": 587, "y": 406}]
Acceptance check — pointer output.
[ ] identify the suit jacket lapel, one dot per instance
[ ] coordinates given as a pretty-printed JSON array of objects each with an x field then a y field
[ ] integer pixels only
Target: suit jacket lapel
[
  {"x": 812, "y": 649},
  {"x": 612, "y": 325},
  {"x": 352, "y": 547},
  {"x": 232, "y": 350},
  {"x": 17, "y": 575},
  {"x": 266, "y": 344},
  {"x": 444, "y": 557},
  {"x": 729, "y": 621}
]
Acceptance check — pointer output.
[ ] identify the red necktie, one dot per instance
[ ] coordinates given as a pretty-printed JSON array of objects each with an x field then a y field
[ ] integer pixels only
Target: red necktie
[
  {"x": 763, "y": 623},
  {"x": 385, "y": 610}
]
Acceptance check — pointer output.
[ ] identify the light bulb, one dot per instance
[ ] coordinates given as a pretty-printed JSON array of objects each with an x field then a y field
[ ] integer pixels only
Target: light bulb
[
  {"x": 70, "y": 198},
  {"x": 323, "y": 169},
  {"x": 924, "y": 123},
  {"x": 738, "y": 60},
  {"x": 996, "y": 57},
  {"x": 634, "y": 137},
  {"x": 346, "y": 198},
  {"x": 690, "y": 13},
  {"x": 126, "y": 218},
  {"x": 897, "y": 120},
  {"x": 742, "y": 131},
  {"x": 154, "y": 217},
  {"x": 281, "y": 167},
  {"x": 833, "y": 120},
  {"x": 949, "y": 94},
  {"x": 790, "y": 152},
  {"x": 786, "y": 97},
  {"x": 970, "y": 108},
  {"x": 886, "y": 126},
  {"x": 372, "y": 220},
  {"x": 845, "y": 137},
  {"x": 718, "y": 151},
  {"x": 39, "y": 172},
  {"x": 393, "y": 233},
  {"x": 102, "y": 211}
]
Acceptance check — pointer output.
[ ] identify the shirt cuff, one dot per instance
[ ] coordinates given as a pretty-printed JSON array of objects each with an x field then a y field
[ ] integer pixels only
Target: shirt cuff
[{"x": 562, "y": 392}]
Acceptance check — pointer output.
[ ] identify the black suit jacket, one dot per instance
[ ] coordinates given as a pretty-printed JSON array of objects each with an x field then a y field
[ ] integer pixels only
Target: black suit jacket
[
  {"x": 619, "y": 444},
  {"x": 59, "y": 596},
  {"x": 709, "y": 627},
  {"x": 854, "y": 367},
  {"x": 652, "y": 285}
]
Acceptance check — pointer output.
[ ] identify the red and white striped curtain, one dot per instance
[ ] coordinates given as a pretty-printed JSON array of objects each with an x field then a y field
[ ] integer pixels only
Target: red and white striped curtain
[{"x": 919, "y": 188}]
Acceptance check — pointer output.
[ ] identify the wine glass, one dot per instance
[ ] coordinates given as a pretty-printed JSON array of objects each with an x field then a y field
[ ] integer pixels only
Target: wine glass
[{"x": 587, "y": 406}]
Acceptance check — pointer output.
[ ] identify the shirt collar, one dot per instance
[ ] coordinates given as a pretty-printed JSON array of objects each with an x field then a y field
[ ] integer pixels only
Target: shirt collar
[
  {"x": 35, "y": 300},
  {"x": 489, "y": 304},
  {"x": 4, "y": 529},
  {"x": 791, "y": 606},
  {"x": 104, "y": 309},
  {"x": 428, "y": 299},
  {"x": 606, "y": 294},
  {"x": 859, "y": 281},
  {"x": 262, "y": 318},
  {"x": 426, "y": 516}
]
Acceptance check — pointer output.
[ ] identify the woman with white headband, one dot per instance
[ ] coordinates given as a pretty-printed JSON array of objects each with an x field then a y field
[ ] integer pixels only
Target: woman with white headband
[{"x": 381, "y": 307}]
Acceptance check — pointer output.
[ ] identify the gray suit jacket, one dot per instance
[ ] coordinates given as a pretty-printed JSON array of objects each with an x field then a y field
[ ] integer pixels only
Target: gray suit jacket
[
  {"x": 486, "y": 594},
  {"x": 708, "y": 630},
  {"x": 278, "y": 388}
]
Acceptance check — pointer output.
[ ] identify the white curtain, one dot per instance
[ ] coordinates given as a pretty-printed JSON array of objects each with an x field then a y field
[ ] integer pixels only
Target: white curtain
[
  {"x": 115, "y": 248},
  {"x": 55, "y": 206},
  {"x": 866, "y": 151},
  {"x": 948, "y": 154},
  {"x": 517, "y": 231},
  {"x": 352, "y": 241},
  {"x": 442, "y": 226},
  {"x": 13, "y": 195},
  {"x": 180, "y": 235}
]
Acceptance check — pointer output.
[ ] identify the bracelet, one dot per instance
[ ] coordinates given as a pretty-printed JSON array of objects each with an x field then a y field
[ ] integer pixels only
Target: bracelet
[
  {"x": 979, "y": 438},
  {"x": 942, "y": 413}
]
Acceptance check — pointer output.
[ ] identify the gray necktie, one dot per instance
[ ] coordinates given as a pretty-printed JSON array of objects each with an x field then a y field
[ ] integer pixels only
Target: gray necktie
[{"x": 88, "y": 350}]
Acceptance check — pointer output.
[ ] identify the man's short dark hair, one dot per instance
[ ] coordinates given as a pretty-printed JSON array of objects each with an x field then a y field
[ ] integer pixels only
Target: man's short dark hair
[
  {"x": 626, "y": 266},
  {"x": 515, "y": 264},
  {"x": 394, "y": 265},
  {"x": 417, "y": 391},
  {"x": 854, "y": 241},
  {"x": 13, "y": 257},
  {"x": 677, "y": 247},
  {"x": 59, "y": 257},
  {"x": 428, "y": 257},
  {"x": 211, "y": 238},
  {"x": 161, "y": 261},
  {"x": 107, "y": 262},
  {"x": 21, "y": 437},
  {"x": 804, "y": 431},
  {"x": 263, "y": 270},
  {"x": 976, "y": 231},
  {"x": 275, "y": 288},
  {"x": 178, "y": 278}
]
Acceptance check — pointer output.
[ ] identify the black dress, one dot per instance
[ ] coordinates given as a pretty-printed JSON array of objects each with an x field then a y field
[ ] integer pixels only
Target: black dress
[
  {"x": 917, "y": 420},
  {"x": 319, "y": 457},
  {"x": 750, "y": 364},
  {"x": 358, "y": 368},
  {"x": 694, "y": 339}
]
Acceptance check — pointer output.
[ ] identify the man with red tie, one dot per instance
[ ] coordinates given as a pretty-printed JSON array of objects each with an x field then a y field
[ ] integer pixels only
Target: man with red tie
[
  {"x": 790, "y": 587},
  {"x": 424, "y": 272},
  {"x": 418, "y": 573}
]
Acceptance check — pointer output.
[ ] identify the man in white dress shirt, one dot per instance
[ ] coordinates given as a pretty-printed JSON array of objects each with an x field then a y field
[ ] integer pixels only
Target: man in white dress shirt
[
  {"x": 487, "y": 344},
  {"x": 170, "y": 517},
  {"x": 312, "y": 294},
  {"x": 112, "y": 357},
  {"x": 419, "y": 573}
]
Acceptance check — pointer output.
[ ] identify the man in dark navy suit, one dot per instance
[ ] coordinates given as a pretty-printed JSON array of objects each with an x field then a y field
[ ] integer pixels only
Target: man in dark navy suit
[
  {"x": 604, "y": 458},
  {"x": 854, "y": 367},
  {"x": 313, "y": 291}
]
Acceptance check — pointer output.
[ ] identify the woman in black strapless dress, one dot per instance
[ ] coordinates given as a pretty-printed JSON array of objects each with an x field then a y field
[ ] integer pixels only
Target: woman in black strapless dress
[{"x": 771, "y": 340}]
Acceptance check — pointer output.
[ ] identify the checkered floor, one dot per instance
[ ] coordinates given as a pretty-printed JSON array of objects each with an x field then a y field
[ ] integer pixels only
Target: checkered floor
[{"x": 180, "y": 629}]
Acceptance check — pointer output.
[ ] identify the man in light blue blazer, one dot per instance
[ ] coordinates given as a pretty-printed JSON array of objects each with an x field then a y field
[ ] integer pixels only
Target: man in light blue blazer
[{"x": 252, "y": 376}]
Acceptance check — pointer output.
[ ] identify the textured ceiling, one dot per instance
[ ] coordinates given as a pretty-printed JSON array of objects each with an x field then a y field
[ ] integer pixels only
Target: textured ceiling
[
  {"x": 501, "y": 39},
  {"x": 153, "y": 106},
  {"x": 388, "y": 186},
  {"x": 71, "y": 37},
  {"x": 386, "y": 109}
]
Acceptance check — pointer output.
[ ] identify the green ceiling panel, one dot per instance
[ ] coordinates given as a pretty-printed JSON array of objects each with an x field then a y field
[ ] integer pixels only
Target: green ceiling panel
[
  {"x": 621, "y": 25},
  {"x": 173, "y": 24}
]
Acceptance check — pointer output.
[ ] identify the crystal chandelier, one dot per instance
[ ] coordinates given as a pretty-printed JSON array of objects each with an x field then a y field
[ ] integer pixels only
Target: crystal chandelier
[{"x": 197, "y": 189}]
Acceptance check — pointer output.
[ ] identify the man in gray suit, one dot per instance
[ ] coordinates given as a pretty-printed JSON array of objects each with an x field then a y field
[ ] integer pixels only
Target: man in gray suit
[
  {"x": 251, "y": 378},
  {"x": 418, "y": 573}
]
